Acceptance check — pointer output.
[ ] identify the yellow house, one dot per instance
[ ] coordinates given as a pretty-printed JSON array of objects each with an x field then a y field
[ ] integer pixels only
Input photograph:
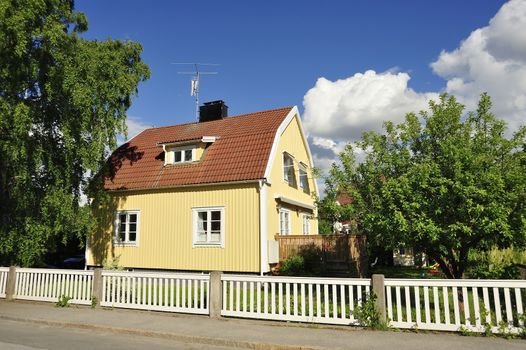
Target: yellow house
[{"x": 209, "y": 195}]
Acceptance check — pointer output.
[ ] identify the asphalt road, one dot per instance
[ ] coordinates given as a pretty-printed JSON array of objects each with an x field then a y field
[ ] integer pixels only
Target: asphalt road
[{"x": 28, "y": 336}]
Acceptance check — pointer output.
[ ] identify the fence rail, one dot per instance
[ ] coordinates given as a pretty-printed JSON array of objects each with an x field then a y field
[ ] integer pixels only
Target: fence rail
[
  {"x": 50, "y": 285},
  {"x": 4, "y": 271},
  {"x": 452, "y": 305},
  {"x": 187, "y": 293},
  {"x": 317, "y": 300}
]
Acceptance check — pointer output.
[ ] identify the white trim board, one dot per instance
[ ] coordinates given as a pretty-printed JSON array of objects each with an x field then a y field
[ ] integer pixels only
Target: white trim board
[{"x": 294, "y": 202}]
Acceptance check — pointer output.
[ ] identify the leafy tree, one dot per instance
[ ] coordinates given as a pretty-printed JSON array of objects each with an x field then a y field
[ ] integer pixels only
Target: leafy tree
[
  {"x": 444, "y": 183},
  {"x": 63, "y": 99}
]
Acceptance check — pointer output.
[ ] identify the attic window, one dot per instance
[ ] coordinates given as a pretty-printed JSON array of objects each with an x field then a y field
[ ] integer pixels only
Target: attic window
[
  {"x": 304, "y": 178},
  {"x": 177, "y": 155},
  {"x": 288, "y": 170}
]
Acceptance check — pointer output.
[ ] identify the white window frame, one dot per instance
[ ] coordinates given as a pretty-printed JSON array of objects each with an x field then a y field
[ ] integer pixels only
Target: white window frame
[
  {"x": 208, "y": 242},
  {"x": 305, "y": 223},
  {"x": 117, "y": 223},
  {"x": 303, "y": 167},
  {"x": 288, "y": 212},
  {"x": 285, "y": 174},
  {"x": 183, "y": 149}
]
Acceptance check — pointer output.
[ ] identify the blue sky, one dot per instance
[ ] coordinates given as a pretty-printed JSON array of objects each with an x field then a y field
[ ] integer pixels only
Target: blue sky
[
  {"x": 272, "y": 52},
  {"x": 348, "y": 65}
]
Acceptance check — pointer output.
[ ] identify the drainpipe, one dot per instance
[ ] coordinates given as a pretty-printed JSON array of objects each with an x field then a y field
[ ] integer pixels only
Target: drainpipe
[{"x": 263, "y": 228}]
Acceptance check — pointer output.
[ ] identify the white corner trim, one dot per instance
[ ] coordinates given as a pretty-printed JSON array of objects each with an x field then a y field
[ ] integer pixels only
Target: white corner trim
[{"x": 263, "y": 228}]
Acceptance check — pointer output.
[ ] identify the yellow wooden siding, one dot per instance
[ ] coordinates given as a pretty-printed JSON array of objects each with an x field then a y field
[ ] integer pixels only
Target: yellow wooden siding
[
  {"x": 292, "y": 143},
  {"x": 165, "y": 236}
]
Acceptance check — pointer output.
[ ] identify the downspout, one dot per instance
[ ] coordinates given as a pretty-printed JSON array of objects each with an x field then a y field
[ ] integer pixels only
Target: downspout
[{"x": 263, "y": 228}]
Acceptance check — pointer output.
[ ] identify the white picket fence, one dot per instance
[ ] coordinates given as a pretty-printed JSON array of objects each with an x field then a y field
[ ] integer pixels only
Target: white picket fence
[
  {"x": 452, "y": 305},
  {"x": 3, "y": 280},
  {"x": 303, "y": 299},
  {"x": 448, "y": 305},
  {"x": 50, "y": 285},
  {"x": 174, "y": 292}
]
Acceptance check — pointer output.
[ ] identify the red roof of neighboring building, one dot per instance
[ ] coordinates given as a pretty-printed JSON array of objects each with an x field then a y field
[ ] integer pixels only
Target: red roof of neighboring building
[
  {"x": 344, "y": 198},
  {"x": 240, "y": 153}
]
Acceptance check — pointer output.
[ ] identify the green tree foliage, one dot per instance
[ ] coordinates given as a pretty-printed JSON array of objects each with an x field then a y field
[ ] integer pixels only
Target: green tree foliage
[
  {"x": 63, "y": 100},
  {"x": 442, "y": 182}
]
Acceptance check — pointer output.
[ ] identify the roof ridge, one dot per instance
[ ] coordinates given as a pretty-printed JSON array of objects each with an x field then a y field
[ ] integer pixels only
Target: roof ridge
[{"x": 232, "y": 117}]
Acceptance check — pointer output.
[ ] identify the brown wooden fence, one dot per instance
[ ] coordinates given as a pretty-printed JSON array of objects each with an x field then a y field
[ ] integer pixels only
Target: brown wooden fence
[{"x": 345, "y": 250}]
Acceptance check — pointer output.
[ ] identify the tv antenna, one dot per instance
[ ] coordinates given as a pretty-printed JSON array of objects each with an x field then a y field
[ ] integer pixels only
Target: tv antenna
[{"x": 196, "y": 75}]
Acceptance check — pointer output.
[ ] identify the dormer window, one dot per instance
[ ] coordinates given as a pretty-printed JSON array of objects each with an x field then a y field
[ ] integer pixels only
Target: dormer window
[
  {"x": 186, "y": 151},
  {"x": 179, "y": 154},
  {"x": 182, "y": 155}
]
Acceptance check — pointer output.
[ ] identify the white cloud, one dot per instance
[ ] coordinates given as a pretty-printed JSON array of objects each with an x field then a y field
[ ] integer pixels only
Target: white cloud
[
  {"x": 342, "y": 110},
  {"x": 338, "y": 112},
  {"x": 492, "y": 59}
]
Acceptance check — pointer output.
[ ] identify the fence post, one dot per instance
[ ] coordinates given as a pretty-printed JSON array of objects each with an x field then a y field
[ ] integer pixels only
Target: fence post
[
  {"x": 379, "y": 290},
  {"x": 97, "y": 286},
  {"x": 216, "y": 294},
  {"x": 11, "y": 281}
]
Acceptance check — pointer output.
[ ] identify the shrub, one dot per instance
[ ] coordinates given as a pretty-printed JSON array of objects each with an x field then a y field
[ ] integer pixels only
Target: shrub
[
  {"x": 368, "y": 315},
  {"x": 63, "y": 301},
  {"x": 496, "y": 263},
  {"x": 293, "y": 266},
  {"x": 313, "y": 259}
]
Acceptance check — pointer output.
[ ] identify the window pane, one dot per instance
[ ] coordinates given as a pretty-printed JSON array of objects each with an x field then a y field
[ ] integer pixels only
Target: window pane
[
  {"x": 215, "y": 237},
  {"x": 216, "y": 215},
  {"x": 284, "y": 223},
  {"x": 188, "y": 155},
  {"x": 122, "y": 231},
  {"x": 216, "y": 226},
  {"x": 132, "y": 236},
  {"x": 133, "y": 227},
  {"x": 202, "y": 223},
  {"x": 122, "y": 227},
  {"x": 202, "y": 215},
  {"x": 201, "y": 236},
  {"x": 177, "y": 156},
  {"x": 133, "y": 218}
]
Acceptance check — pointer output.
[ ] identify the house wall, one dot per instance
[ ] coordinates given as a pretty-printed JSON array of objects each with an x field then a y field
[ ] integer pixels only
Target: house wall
[
  {"x": 165, "y": 236},
  {"x": 291, "y": 142}
]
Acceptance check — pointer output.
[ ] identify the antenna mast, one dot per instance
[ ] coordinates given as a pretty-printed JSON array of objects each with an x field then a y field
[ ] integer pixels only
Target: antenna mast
[{"x": 194, "y": 87}]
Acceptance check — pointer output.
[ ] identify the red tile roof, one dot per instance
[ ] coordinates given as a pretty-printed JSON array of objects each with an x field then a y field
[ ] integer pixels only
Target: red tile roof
[{"x": 240, "y": 153}]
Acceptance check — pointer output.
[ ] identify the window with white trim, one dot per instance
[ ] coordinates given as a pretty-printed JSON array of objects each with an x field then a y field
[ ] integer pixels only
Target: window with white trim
[
  {"x": 209, "y": 226},
  {"x": 127, "y": 227},
  {"x": 284, "y": 222},
  {"x": 183, "y": 154},
  {"x": 304, "y": 179},
  {"x": 305, "y": 223},
  {"x": 288, "y": 170}
]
